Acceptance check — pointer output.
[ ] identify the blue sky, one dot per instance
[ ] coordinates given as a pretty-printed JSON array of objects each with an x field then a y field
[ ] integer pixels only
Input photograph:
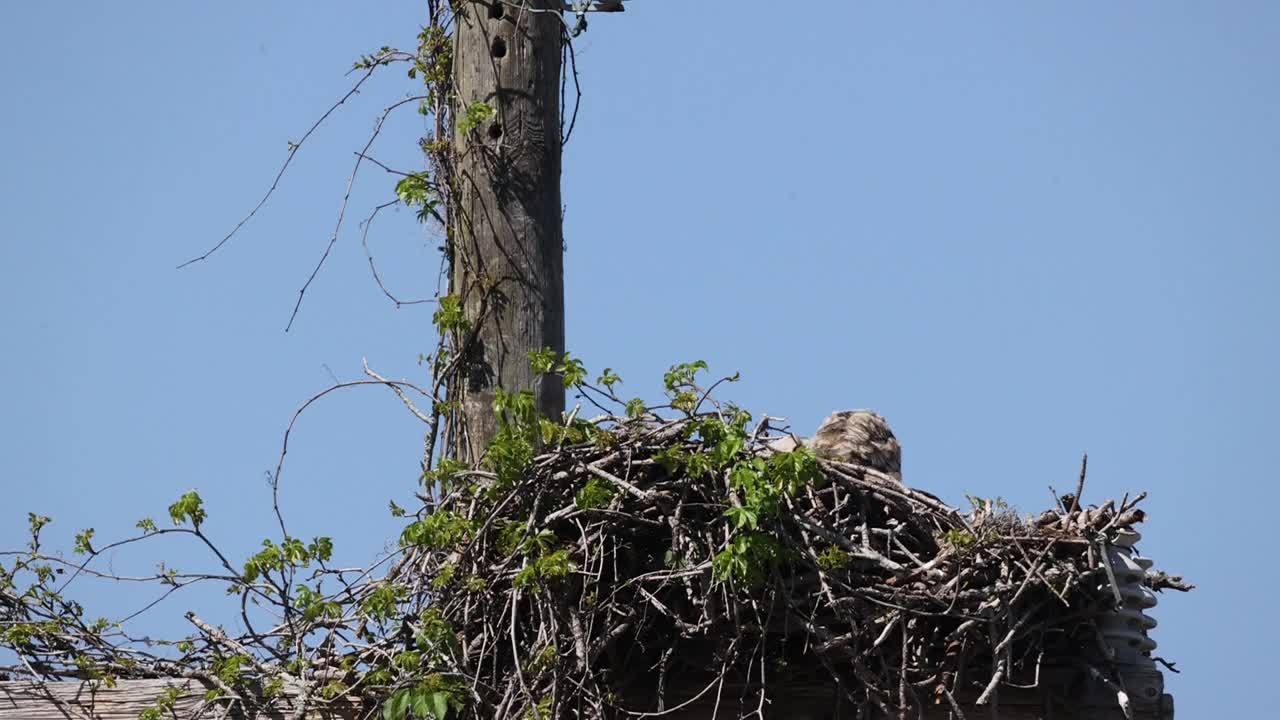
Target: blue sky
[{"x": 1021, "y": 231}]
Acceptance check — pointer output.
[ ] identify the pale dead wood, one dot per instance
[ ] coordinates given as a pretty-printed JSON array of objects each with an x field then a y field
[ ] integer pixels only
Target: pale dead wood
[{"x": 22, "y": 700}]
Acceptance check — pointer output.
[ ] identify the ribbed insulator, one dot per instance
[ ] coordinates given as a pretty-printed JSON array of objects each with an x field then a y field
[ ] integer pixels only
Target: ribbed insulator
[{"x": 1125, "y": 630}]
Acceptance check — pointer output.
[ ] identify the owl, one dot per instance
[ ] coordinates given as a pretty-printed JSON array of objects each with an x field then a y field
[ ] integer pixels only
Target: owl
[{"x": 861, "y": 437}]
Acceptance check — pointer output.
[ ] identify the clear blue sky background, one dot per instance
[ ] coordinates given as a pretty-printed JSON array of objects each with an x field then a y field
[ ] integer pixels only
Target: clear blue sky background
[{"x": 1019, "y": 230}]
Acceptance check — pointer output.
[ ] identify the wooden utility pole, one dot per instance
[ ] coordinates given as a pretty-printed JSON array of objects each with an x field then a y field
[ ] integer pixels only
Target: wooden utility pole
[{"x": 508, "y": 264}]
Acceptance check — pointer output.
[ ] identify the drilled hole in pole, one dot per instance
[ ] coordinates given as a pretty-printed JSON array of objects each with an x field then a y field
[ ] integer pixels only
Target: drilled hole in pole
[
  {"x": 496, "y": 10},
  {"x": 499, "y": 47}
]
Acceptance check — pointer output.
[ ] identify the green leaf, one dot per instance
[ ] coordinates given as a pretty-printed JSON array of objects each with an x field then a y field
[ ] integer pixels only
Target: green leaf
[
  {"x": 435, "y": 636},
  {"x": 83, "y": 538},
  {"x": 321, "y": 548},
  {"x": 742, "y": 517},
  {"x": 440, "y": 529},
  {"x": 961, "y": 540},
  {"x": 188, "y": 507},
  {"x": 446, "y": 472},
  {"x": 269, "y": 558},
  {"x": 685, "y": 400},
  {"x": 833, "y": 558},
  {"x": 444, "y": 576},
  {"x": 476, "y": 113},
  {"x": 394, "y": 707},
  {"x": 440, "y": 705},
  {"x": 511, "y": 451},
  {"x": 746, "y": 559},
  {"x": 415, "y": 190},
  {"x": 573, "y": 371},
  {"x": 294, "y": 552},
  {"x": 517, "y": 407},
  {"x": 682, "y": 375},
  {"x": 595, "y": 494},
  {"x": 541, "y": 361},
  {"x": 608, "y": 378},
  {"x": 418, "y": 706},
  {"x": 792, "y": 471},
  {"x": 727, "y": 450},
  {"x": 636, "y": 408},
  {"x": 381, "y": 604},
  {"x": 449, "y": 314},
  {"x": 36, "y": 522},
  {"x": 539, "y": 542}
]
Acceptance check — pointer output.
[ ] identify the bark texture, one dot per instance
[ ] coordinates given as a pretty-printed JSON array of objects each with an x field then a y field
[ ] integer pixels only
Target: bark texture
[{"x": 508, "y": 265}]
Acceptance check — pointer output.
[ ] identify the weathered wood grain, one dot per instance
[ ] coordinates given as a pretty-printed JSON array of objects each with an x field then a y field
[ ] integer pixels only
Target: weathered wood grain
[
  {"x": 507, "y": 258},
  {"x": 63, "y": 700}
]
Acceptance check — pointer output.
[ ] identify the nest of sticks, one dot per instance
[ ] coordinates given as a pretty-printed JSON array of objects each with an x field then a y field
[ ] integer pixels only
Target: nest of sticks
[
  {"x": 628, "y": 574},
  {"x": 633, "y": 567}
]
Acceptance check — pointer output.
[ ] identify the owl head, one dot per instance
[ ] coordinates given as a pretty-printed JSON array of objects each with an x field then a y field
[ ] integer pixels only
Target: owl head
[{"x": 861, "y": 437}]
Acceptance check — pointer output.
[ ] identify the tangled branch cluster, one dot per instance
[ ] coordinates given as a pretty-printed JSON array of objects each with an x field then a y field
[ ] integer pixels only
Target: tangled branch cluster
[
  {"x": 660, "y": 565},
  {"x": 633, "y": 565}
]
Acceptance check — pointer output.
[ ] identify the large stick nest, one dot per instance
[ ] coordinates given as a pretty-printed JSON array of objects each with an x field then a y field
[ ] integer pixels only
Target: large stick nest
[
  {"x": 627, "y": 566},
  {"x": 665, "y": 563}
]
